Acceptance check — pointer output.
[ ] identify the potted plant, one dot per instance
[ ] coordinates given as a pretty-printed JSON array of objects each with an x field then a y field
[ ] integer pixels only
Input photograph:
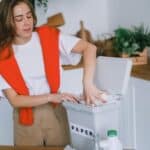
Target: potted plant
[
  {"x": 40, "y": 3},
  {"x": 124, "y": 42},
  {"x": 141, "y": 36},
  {"x": 132, "y": 43},
  {"x": 43, "y": 3}
]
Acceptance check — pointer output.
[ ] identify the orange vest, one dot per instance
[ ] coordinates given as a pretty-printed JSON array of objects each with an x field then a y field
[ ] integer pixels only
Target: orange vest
[{"x": 10, "y": 71}]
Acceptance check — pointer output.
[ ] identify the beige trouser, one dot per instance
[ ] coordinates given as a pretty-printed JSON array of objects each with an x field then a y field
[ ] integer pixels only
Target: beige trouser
[{"x": 50, "y": 127}]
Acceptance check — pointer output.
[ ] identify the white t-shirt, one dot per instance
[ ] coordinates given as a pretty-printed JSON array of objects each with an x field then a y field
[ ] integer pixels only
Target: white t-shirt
[{"x": 30, "y": 61}]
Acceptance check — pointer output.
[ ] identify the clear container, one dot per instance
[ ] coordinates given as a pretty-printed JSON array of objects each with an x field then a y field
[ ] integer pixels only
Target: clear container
[{"x": 112, "y": 142}]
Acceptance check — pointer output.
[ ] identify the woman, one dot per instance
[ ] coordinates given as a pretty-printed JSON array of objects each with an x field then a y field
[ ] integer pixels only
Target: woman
[{"x": 30, "y": 71}]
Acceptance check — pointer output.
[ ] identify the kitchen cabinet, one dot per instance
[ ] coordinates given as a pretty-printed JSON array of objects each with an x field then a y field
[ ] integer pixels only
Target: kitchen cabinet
[
  {"x": 138, "y": 108},
  {"x": 141, "y": 101},
  {"x": 6, "y": 123},
  {"x": 135, "y": 120}
]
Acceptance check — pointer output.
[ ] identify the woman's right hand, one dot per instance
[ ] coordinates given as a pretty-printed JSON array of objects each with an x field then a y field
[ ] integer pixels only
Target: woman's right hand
[{"x": 60, "y": 97}]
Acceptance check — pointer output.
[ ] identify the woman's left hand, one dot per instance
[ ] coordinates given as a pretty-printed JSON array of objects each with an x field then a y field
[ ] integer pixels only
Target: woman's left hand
[{"x": 91, "y": 94}]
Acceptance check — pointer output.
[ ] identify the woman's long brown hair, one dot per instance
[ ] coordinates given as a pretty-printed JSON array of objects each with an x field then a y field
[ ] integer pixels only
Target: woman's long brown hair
[{"x": 7, "y": 30}]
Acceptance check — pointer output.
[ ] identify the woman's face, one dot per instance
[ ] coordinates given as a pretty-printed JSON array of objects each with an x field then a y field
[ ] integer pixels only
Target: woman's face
[{"x": 23, "y": 21}]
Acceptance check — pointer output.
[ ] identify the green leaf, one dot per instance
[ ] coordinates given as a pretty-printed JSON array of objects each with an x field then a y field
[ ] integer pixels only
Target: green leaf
[{"x": 131, "y": 40}]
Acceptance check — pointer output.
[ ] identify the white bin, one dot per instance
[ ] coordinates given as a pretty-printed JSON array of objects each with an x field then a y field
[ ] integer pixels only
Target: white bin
[{"x": 86, "y": 122}]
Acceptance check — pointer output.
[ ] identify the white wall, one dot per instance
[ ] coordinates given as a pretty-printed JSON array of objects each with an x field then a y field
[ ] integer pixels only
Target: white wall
[
  {"x": 127, "y": 13},
  {"x": 99, "y": 16},
  {"x": 92, "y": 12}
]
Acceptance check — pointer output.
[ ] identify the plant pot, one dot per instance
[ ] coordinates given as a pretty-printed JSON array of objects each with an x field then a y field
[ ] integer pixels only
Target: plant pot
[{"x": 140, "y": 59}]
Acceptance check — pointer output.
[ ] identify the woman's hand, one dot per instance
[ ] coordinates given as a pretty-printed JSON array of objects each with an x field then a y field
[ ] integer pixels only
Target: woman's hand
[
  {"x": 60, "y": 97},
  {"x": 92, "y": 94}
]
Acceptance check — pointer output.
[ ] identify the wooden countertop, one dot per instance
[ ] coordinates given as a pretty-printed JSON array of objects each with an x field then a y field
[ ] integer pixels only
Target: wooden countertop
[
  {"x": 138, "y": 71},
  {"x": 142, "y": 71},
  {"x": 29, "y": 148}
]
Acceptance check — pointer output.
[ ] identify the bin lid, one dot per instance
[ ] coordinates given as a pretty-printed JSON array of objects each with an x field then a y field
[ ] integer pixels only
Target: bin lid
[
  {"x": 80, "y": 107},
  {"x": 113, "y": 74}
]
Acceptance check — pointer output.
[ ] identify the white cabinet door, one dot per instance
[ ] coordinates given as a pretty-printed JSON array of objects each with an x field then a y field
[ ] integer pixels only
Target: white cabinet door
[
  {"x": 6, "y": 123},
  {"x": 142, "y": 113},
  {"x": 135, "y": 116},
  {"x": 127, "y": 119}
]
